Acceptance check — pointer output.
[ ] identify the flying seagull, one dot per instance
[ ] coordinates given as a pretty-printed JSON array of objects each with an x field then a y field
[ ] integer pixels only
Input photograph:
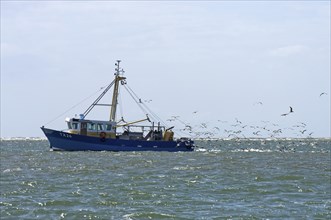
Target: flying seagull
[
  {"x": 258, "y": 103},
  {"x": 256, "y": 133},
  {"x": 303, "y": 131},
  {"x": 323, "y": 93},
  {"x": 291, "y": 111}
]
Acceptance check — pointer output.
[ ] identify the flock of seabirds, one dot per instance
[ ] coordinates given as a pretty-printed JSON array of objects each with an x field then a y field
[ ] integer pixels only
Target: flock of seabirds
[{"x": 240, "y": 130}]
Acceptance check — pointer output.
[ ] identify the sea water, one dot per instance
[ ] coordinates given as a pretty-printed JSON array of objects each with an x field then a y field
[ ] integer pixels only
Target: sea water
[{"x": 222, "y": 179}]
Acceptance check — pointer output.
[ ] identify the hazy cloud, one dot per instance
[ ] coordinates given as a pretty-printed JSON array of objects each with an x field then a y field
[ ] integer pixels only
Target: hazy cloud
[
  {"x": 222, "y": 54},
  {"x": 288, "y": 50}
]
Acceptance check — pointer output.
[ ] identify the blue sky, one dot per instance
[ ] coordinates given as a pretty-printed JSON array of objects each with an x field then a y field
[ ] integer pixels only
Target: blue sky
[{"x": 218, "y": 58}]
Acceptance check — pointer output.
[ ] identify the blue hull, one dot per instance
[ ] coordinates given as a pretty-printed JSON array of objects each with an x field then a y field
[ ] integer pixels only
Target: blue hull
[{"x": 72, "y": 142}]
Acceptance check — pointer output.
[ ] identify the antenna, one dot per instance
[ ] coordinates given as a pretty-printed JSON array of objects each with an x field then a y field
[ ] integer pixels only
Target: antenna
[{"x": 117, "y": 69}]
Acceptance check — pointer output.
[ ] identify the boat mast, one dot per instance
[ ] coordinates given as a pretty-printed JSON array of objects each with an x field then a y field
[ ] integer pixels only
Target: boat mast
[{"x": 118, "y": 78}]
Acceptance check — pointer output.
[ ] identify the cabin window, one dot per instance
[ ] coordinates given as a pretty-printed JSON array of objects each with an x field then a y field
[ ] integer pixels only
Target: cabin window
[
  {"x": 75, "y": 126},
  {"x": 100, "y": 127},
  {"x": 91, "y": 126},
  {"x": 108, "y": 127},
  {"x": 69, "y": 125}
]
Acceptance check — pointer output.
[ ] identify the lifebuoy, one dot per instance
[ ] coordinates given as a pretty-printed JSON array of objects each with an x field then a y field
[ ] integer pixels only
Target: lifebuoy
[{"x": 103, "y": 136}]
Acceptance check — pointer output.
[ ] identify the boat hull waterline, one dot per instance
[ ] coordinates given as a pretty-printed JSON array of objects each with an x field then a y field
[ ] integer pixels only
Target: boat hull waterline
[{"x": 63, "y": 141}]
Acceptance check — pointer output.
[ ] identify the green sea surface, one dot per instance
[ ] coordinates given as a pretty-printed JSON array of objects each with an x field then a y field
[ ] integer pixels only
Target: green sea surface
[{"x": 221, "y": 179}]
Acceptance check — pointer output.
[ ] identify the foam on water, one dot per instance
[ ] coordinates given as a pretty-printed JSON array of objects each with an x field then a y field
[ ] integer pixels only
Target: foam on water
[
  {"x": 23, "y": 138},
  {"x": 222, "y": 179}
]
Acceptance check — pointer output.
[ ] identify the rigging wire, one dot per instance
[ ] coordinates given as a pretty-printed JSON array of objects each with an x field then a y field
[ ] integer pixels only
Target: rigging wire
[
  {"x": 132, "y": 96},
  {"x": 98, "y": 99},
  {"x": 143, "y": 105},
  {"x": 181, "y": 130},
  {"x": 140, "y": 102},
  {"x": 155, "y": 115},
  {"x": 74, "y": 106}
]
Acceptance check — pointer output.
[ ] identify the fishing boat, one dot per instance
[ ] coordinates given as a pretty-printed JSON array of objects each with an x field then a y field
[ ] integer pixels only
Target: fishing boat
[{"x": 84, "y": 134}]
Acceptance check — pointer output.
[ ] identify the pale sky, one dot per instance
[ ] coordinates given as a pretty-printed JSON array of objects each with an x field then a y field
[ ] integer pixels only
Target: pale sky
[{"x": 219, "y": 58}]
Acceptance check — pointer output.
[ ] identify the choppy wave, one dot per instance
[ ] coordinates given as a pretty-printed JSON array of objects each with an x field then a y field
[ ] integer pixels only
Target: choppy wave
[
  {"x": 23, "y": 138},
  {"x": 222, "y": 179},
  {"x": 264, "y": 145},
  {"x": 148, "y": 215}
]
